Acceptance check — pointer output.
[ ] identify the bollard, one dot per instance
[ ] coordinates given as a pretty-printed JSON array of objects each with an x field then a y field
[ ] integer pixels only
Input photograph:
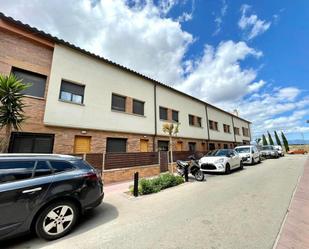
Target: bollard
[
  {"x": 186, "y": 173},
  {"x": 135, "y": 188}
]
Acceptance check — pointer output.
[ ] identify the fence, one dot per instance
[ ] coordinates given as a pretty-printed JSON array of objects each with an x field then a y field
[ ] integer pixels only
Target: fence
[
  {"x": 110, "y": 161},
  {"x": 183, "y": 155}
]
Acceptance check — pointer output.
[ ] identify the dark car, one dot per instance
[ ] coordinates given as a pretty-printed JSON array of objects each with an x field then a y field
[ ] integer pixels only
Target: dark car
[{"x": 45, "y": 193}]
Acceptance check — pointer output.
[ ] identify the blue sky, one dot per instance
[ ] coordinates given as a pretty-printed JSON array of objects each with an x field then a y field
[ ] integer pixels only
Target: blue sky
[{"x": 246, "y": 55}]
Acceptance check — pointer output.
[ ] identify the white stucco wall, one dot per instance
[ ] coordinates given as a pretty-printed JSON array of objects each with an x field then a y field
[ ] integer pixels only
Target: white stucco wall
[
  {"x": 100, "y": 80},
  {"x": 240, "y": 123},
  {"x": 185, "y": 105},
  {"x": 221, "y": 118}
]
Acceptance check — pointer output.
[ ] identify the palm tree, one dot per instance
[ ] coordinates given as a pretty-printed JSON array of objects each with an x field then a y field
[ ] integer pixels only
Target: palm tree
[
  {"x": 258, "y": 140},
  {"x": 11, "y": 106},
  {"x": 271, "y": 142},
  {"x": 171, "y": 130},
  {"x": 277, "y": 138},
  {"x": 264, "y": 140}
]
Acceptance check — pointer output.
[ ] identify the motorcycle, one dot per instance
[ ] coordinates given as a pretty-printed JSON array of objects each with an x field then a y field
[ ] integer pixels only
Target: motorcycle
[{"x": 193, "y": 168}]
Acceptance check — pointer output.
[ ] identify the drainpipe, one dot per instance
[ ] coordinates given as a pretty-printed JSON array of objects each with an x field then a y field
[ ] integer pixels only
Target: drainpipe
[
  {"x": 233, "y": 129},
  {"x": 207, "y": 125},
  {"x": 155, "y": 116}
]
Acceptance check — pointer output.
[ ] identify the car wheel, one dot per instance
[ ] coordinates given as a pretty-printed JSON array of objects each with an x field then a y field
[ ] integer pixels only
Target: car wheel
[
  {"x": 227, "y": 169},
  {"x": 56, "y": 220},
  {"x": 199, "y": 175},
  {"x": 241, "y": 166}
]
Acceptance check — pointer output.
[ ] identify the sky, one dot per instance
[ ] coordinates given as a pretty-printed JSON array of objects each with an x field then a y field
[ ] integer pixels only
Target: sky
[{"x": 236, "y": 54}]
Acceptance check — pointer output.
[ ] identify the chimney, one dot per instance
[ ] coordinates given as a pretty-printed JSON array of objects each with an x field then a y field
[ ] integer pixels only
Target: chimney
[{"x": 235, "y": 112}]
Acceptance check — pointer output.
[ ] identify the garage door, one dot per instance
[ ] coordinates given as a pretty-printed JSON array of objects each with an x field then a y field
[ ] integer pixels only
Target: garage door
[
  {"x": 82, "y": 144},
  {"x": 24, "y": 142}
]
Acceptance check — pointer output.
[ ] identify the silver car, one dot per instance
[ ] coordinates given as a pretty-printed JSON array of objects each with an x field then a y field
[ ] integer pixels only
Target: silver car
[{"x": 269, "y": 151}]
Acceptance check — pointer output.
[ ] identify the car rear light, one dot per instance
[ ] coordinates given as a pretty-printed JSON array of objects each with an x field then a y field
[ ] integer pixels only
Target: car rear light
[{"x": 91, "y": 176}]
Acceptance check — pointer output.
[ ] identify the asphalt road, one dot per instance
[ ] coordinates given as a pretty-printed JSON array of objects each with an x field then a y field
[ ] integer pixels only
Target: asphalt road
[{"x": 242, "y": 210}]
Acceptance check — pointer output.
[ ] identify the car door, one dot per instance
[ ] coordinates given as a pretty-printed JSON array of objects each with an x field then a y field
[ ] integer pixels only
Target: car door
[
  {"x": 23, "y": 185},
  {"x": 235, "y": 158}
]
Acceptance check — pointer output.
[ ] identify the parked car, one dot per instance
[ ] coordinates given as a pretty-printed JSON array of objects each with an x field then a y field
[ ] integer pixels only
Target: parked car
[
  {"x": 297, "y": 151},
  {"x": 249, "y": 154},
  {"x": 45, "y": 193},
  {"x": 279, "y": 149},
  {"x": 268, "y": 151},
  {"x": 222, "y": 160}
]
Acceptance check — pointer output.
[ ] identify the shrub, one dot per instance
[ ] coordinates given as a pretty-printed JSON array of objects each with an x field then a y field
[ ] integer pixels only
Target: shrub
[{"x": 154, "y": 185}]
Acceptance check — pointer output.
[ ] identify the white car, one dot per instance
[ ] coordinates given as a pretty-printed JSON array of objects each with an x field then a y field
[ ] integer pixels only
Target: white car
[
  {"x": 223, "y": 160},
  {"x": 249, "y": 154},
  {"x": 279, "y": 149}
]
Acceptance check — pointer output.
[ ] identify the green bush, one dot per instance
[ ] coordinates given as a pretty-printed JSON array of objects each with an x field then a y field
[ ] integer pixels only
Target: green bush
[{"x": 154, "y": 185}]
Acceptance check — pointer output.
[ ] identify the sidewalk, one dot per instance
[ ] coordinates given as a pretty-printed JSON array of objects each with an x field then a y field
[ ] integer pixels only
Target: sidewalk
[{"x": 295, "y": 231}]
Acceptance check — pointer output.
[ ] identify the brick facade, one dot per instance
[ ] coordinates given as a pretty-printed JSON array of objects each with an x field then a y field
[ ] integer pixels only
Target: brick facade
[
  {"x": 31, "y": 52},
  {"x": 117, "y": 175}
]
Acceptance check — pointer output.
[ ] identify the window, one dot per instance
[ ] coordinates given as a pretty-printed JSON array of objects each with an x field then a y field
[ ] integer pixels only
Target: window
[
  {"x": 15, "y": 170},
  {"x": 225, "y": 146},
  {"x": 163, "y": 113},
  {"x": 42, "y": 169},
  {"x": 211, "y": 146},
  {"x": 138, "y": 107},
  {"x": 226, "y": 128},
  {"x": 163, "y": 145},
  {"x": 24, "y": 142},
  {"x": 192, "y": 146},
  {"x": 236, "y": 131},
  {"x": 118, "y": 103},
  {"x": 60, "y": 166},
  {"x": 116, "y": 145},
  {"x": 72, "y": 92},
  {"x": 245, "y": 131},
  {"x": 175, "y": 116},
  {"x": 199, "y": 122},
  {"x": 213, "y": 125},
  {"x": 37, "y": 82},
  {"x": 191, "y": 119}
]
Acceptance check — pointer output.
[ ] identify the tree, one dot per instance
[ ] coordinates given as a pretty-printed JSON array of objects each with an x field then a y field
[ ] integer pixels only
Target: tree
[
  {"x": 171, "y": 130},
  {"x": 258, "y": 140},
  {"x": 270, "y": 140},
  {"x": 285, "y": 142},
  {"x": 277, "y": 138},
  {"x": 264, "y": 140},
  {"x": 11, "y": 106}
]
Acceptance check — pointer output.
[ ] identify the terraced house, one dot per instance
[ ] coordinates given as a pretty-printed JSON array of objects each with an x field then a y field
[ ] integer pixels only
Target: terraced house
[{"x": 81, "y": 103}]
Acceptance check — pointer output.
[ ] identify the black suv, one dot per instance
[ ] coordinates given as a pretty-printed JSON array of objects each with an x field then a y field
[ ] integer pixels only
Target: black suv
[{"x": 45, "y": 193}]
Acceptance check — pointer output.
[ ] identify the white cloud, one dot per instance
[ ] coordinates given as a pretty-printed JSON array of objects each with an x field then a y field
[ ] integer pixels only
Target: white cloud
[
  {"x": 141, "y": 36},
  {"x": 219, "y": 18},
  {"x": 218, "y": 76},
  {"x": 251, "y": 24}
]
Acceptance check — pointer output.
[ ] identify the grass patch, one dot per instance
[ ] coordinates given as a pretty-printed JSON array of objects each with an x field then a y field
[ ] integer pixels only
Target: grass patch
[{"x": 154, "y": 185}]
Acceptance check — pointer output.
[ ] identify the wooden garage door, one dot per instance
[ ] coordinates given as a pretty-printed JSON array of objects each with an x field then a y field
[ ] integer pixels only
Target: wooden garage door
[
  {"x": 82, "y": 144},
  {"x": 144, "y": 145},
  {"x": 179, "y": 146}
]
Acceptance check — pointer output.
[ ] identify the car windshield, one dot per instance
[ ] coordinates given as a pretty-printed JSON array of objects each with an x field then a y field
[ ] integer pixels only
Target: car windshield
[
  {"x": 267, "y": 147},
  {"x": 243, "y": 150},
  {"x": 218, "y": 153}
]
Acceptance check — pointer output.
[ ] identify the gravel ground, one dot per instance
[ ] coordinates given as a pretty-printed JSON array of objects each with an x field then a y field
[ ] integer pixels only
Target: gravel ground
[{"x": 242, "y": 210}]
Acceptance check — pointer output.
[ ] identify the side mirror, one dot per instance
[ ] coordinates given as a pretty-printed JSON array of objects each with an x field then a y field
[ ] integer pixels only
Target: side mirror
[{"x": 252, "y": 152}]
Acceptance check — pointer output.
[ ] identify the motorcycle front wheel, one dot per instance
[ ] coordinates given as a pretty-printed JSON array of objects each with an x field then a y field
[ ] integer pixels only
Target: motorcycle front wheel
[{"x": 199, "y": 175}]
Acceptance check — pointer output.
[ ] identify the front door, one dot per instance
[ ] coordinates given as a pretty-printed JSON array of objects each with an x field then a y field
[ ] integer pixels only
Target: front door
[
  {"x": 144, "y": 145},
  {"x": 82, "y": 144}
]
